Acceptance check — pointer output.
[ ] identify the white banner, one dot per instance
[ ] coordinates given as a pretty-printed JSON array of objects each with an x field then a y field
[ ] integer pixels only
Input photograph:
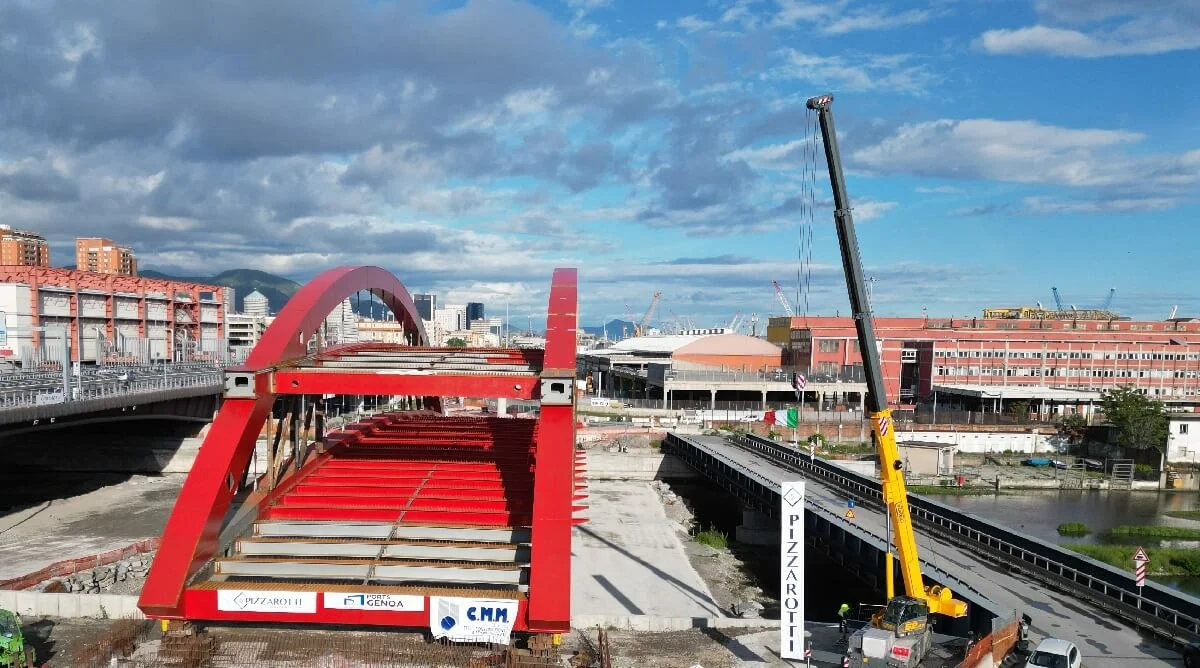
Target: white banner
[
  {"x": 336, "y": 600},
  {"x": 234, "y": 600},
  {"x": 791, "y": 571},
  {"x": 472, "y": 619}
]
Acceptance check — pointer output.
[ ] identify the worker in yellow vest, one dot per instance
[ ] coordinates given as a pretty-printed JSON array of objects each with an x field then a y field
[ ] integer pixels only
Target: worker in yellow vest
[{"x": 842, "y": 612}]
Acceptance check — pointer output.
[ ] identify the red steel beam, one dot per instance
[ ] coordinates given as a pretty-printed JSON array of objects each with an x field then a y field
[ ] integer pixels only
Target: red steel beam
[
  {"x": 302, "y": 381},
  {"x": 550, "y": 552}
]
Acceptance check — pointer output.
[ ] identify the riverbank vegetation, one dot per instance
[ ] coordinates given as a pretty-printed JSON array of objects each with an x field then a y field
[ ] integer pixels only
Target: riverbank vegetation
[
  {"x": 1152, "y": 531},
  {"x": 1073, "y": 529},
  {"x": 1163, "y": 560},
  {"x": 950, "y": 490},
  {"x": 1184, "y": 514}
]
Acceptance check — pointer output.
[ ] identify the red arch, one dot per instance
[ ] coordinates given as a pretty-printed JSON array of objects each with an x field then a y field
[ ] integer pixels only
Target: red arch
[
  {"x": 305, "y": 311},
  {"x": 191, "y": 536}
]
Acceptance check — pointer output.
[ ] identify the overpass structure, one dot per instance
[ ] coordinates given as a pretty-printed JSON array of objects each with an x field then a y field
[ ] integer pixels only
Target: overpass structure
[
  {"x": 1000, "y": 572},
  {"x": 34, "y": 399},
  {"x": 412, "y": 518}
]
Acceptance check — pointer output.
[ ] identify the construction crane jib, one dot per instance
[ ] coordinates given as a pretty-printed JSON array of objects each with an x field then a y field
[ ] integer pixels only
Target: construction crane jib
[
  {"x": 787, "y": 306},
  {"x": 642, "y": 326},
  {"x": 895, "y": 495}
]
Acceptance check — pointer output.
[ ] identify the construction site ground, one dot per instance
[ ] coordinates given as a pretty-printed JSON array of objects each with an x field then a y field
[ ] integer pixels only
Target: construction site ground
[{"x": 94, "y": 643}]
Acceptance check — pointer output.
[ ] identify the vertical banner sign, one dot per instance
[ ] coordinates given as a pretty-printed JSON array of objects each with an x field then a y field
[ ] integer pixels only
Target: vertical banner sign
[{"x": 791, "y": 571}]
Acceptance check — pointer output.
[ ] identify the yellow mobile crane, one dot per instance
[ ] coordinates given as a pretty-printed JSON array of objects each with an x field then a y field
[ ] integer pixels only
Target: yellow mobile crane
[{"x": 899, "y": 634}]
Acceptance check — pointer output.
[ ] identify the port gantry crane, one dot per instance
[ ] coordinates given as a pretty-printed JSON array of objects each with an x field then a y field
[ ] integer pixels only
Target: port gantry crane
[{"x": 906, "y": 616}]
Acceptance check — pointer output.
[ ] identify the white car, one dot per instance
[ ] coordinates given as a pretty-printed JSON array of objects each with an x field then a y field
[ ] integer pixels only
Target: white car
[{"x": 1055, "y": 653}]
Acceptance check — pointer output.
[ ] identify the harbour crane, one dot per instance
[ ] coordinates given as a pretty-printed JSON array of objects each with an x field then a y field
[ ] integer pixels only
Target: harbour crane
[
  {"x": 903, "y": 625},
  {"x": 640, "y": 328},
  {"x": 735, "y": 322},
  {"x": 787, "y": 306}
]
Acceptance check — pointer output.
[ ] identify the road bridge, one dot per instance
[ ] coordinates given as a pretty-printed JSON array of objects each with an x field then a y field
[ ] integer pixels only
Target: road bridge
[
  {"x": 999, "y": 572},
  {"x": 37, "y": 399}
]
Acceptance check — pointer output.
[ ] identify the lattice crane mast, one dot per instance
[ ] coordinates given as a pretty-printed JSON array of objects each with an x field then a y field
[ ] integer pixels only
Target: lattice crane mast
[
  {"x": 906, "y": 617},
  {"x": 787, "y": 306},
  {"x": 641, "y": 327}
]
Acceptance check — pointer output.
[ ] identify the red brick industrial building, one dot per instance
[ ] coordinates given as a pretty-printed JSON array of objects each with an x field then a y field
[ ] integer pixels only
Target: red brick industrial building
[{"x": 1161, "y": 358}]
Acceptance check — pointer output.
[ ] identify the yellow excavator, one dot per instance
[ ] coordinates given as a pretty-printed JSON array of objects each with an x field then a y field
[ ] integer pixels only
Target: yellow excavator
[{"x": 900, "y": 634}]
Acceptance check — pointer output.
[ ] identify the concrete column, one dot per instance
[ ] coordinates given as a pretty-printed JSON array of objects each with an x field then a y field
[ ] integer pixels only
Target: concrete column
[
  {"x": 501, "y": 406},
  {"x": 757, "y": 529},
  {"x": 713, "y": 403},
  {"x": 764, "y": 400}
]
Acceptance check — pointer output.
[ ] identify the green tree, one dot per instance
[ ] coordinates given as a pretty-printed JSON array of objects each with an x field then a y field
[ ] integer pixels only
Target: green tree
[
  {"x": 1139, "y": 421},
  {"x": 1019, "y": 408},
  {"x": 1073, "y": 428},
  {"x": 456, "y": 342}
]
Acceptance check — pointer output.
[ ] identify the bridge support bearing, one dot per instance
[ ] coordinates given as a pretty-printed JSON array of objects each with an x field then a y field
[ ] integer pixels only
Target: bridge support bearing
[{"x": 757, "y": 528}]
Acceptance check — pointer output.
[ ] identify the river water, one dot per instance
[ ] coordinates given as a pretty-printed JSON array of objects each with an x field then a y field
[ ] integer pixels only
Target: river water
[{"x": 1038, "y": 513}]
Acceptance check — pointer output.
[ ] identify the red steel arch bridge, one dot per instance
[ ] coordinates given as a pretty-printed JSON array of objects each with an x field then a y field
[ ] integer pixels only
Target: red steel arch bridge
[{"x": 382, "y": 521}]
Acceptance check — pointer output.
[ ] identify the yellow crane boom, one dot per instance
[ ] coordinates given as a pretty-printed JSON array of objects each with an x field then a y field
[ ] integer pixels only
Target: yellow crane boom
[{"x": 940, "y": 600}]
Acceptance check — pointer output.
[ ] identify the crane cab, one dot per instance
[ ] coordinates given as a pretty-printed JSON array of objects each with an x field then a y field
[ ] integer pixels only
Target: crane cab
[{"x": 904, "y": 616}]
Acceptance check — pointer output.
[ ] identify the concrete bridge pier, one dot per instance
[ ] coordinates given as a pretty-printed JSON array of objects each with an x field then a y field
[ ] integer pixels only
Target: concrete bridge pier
[{"x": 757, "y": 528}]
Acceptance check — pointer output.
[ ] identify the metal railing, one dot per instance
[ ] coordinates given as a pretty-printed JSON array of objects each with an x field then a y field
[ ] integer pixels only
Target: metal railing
[
  {"x": 38, "y": 388},
  {"x": 1167, "y": 612}
]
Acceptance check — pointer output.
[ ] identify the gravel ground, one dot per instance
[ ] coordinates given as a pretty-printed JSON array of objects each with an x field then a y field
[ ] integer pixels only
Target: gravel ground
[
  {"x": 726, "y": 575},
  {"x": 87, "y": 643}
]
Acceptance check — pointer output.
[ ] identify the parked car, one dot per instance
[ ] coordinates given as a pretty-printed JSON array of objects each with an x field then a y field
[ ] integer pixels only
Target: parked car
[{"x": 1055, "y": 653}]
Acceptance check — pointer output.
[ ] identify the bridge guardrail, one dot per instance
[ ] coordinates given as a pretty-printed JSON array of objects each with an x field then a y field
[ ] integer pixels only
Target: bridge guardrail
[
  {"x": 1163, "y": 610},
  {"x": 99, "y": 387}
]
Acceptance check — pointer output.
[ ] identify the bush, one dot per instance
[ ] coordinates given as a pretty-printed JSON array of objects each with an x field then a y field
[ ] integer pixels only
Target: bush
[
  {"x": 1143, "y": 471},
  {"x": 713, "y": 538},
  {"x": 818, "y": 440},
  {"x": 1073, "y": 529}
]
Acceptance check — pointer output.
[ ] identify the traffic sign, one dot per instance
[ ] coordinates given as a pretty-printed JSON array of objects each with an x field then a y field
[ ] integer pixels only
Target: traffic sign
[
  {"x": 1139, "y": 557},
  {"x": 849, "y": 513}
]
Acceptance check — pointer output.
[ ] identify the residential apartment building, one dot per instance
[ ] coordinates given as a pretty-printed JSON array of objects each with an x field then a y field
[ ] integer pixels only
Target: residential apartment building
[
  {"x": 107, "y": 316},
  {"x": 1161, "y": 358},
  {"x": 244, "y": 332},
  {"x": 23, "y": 248},
  {"x": 104, "y": 256},
  {"x": 451, "y": 318}
]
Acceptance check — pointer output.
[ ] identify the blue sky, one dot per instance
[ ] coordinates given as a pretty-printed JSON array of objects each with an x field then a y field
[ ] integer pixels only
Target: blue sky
[{"x": 994, "y": 148}]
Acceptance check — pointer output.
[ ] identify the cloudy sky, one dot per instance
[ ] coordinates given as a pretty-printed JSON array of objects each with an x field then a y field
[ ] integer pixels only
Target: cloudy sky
[{"x": 994, "y": 148}]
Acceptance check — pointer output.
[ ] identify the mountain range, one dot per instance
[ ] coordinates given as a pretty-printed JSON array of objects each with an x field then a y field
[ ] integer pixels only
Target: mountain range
[{"x": 276, "y": 289}]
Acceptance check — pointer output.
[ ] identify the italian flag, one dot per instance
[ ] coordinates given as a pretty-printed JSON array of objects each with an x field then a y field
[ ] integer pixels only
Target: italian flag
[{"x": 788, "y": 418}]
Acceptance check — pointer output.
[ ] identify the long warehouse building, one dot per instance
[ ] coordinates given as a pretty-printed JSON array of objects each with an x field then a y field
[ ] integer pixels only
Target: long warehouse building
[
  {"x": 974, "y": 360},
  {"x": 108, "y": 316}
]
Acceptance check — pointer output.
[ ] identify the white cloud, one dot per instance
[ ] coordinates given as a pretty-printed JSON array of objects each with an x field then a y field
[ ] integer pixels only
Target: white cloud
[
  {"x": 938, "y": 190},
  {"x": 169, "y": 223},
  {"x": 835, "y": 18},
  {"x": 1101, "y": 28},
  {"x": 1049, "y": 205},
  {"x": 856, "y": 73},
  {"x": 870, "y": 209},
  {"x": 693, "y": 23},
  {"x": 1019, "y": 151},
  {"x": 876, "y": 19}
]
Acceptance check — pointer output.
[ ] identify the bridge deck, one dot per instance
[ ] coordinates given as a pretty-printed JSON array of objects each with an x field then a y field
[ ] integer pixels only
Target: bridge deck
[{"x": 1105, "y": 641}]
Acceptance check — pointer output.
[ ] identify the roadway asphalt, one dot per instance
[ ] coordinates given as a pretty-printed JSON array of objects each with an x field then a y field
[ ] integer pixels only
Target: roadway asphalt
[{"x": 1105, "y": 642}]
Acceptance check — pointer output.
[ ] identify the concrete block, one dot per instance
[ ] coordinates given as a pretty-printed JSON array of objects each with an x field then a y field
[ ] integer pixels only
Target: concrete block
[
  {"x": 28, "y": 603},
  {"x": 89, "y": 606},
  {"x": 112, "y": 605},
  {"x": 68, "y": 605},
  {"x": 8, "y": 599}
]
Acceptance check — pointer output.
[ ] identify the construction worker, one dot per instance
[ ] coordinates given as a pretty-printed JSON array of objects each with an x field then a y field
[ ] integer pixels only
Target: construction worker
[{"x": 842, "y": 612}]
